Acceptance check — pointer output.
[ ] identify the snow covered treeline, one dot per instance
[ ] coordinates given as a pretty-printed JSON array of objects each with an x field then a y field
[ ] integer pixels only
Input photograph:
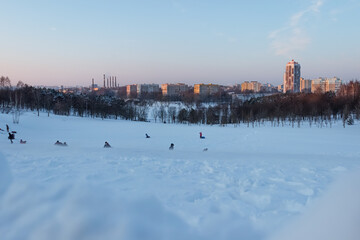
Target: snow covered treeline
[{"x": 314, "y": 108}]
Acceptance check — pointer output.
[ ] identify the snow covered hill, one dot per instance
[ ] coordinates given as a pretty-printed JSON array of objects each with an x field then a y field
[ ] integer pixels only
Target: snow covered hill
[{"x": 249, "y": 184}]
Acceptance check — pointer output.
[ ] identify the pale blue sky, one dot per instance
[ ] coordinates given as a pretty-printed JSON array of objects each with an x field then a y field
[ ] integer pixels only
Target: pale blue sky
[{"x": 192, "y": 41}]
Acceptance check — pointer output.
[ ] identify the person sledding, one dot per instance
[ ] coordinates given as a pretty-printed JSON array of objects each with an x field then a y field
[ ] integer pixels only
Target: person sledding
[
  {"x": 171, "y": 146},
  {"x": 201, "y": 136},
  {"x": 107, "y": 145},
  {"x": 11, "y": 137},
  {"x": 146, "y": 135},
  {"x": 58, "y": 143}
]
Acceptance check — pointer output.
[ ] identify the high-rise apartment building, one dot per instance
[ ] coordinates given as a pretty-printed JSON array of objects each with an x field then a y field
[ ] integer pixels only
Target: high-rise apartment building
[
  {"x": 131, "y": 90},
  {"x": 246, "y": 86},
  {"x": 332, "y": 84},
  {"x": 292, "y": 77},
  {"x": 325, "y": 84},
  {"x": 173, "y": 89},
  {"x": 254, "y": 86},
  {"x": 305, "y": 85},
  {"x": 147, "y": 88},
  {"x": 206, "y": 89},
  {"x": 318, "y": 85}
]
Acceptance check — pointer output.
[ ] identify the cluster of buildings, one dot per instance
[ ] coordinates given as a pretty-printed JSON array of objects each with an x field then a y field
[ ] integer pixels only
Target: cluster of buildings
[
  {"x": 171, "y": 90},
  {"x": 179, "y": 89},
  {"x": 293, "y": 82}
]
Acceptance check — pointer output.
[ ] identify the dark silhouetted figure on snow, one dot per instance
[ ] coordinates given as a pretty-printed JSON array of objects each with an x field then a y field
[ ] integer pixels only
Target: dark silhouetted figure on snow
[
  {"x": 107, "y": 145},
  {"x": 171, "y": 147},
  {"x": 11, "y": 137},
  {"x": 201, "y": 136},
  {"x": 147, "y": 136}
]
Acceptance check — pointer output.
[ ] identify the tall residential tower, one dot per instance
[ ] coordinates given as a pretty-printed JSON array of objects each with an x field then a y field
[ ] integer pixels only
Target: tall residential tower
[{"x": 292, "y": 77}]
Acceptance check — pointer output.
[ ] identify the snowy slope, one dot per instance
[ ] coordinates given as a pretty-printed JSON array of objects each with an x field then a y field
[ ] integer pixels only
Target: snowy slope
[{"x": 248, "y": 185}]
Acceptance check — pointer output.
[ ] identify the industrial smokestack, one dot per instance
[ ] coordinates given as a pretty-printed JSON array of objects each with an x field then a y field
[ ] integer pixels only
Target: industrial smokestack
[
  {"x": 104, "y": 81},
  {"x": 92, "y": 84},
  {"x": 107, "y": 82},
  {"x": 115, "y": 82}
]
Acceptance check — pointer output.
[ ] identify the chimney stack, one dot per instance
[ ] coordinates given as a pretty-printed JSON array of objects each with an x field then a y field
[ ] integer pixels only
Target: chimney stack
[{"x": 104, "y": 81}]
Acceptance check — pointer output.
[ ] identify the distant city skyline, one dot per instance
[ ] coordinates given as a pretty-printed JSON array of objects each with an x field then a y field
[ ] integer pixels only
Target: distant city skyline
[{"x": 68, "y": 43}]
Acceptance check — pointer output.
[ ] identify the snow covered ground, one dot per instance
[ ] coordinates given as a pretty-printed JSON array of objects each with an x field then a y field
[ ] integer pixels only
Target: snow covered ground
[{"x": 252, "y": 183}]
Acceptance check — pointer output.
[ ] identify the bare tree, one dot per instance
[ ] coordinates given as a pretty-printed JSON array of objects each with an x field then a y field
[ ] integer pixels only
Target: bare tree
[
  {"x": 172, "y": 114},
  {"x": 162, "y": 113},
  {"x": 5, "y": 82}
]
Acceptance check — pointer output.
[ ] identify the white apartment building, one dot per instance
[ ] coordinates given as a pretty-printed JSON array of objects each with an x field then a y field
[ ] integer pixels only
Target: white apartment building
[
  {"x": 173, "y": 89},
  {"x": 254, "y": 86},
  {"x": 147, "y": 88},
  {"x": 206, "y": 89},
  {"x": 325, "y": 84},
  {"x": 305, "y": 85}
]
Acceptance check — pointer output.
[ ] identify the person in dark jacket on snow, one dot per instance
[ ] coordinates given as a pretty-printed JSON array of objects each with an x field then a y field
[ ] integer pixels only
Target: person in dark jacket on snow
[
  {"x": 11, "y": 137},
  {"x": 201, "y": 136},
  {"x": 171, "y": 146},
  {"x": 146, "y": 135},
  {"x": 107, "y": 145}
]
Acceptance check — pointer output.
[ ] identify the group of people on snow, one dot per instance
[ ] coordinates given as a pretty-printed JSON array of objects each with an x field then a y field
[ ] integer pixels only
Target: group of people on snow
[
  {"x": 172, "y": 145},
  {"x": 11, "y": 137}
]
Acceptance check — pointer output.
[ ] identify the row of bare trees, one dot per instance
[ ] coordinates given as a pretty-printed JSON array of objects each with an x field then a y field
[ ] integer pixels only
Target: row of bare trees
[
  {"x": 14, "y": 100},
  {"x": 278, "y": 109},
  {"x": 321, "y": 109}
]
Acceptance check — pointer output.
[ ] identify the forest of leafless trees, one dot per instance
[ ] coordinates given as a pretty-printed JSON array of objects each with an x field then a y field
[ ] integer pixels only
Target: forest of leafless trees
[{"x": 320, "y": 109}]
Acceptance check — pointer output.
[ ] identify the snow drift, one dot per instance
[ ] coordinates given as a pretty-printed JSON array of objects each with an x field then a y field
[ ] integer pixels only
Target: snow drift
[{"x": 336, "y": 215}]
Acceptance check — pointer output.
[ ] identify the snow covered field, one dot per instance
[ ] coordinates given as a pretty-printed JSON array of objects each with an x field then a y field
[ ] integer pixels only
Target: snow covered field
[{"x": 252, "y": 183}]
